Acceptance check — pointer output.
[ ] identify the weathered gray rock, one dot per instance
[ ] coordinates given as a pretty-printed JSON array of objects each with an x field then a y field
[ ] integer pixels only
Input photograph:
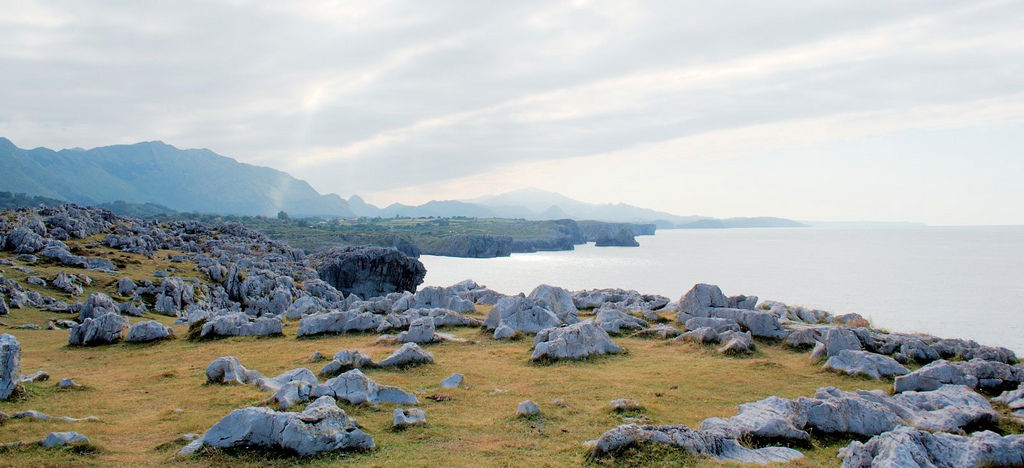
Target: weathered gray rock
[
  {"x": 408, "y": 417},
  {"x": 293, "y": 393},
  {"x": 741, "y": 302},
  {"x": 802, "y": 338},
  {"x": 355, "y": 387},
  {"x": 367, "y": 271},
  {"x": 338, "y": 322},
  {"x": 35, "y": 280},
  {"x": 557, "y": 300},
  {"x": 37, "y": 376},
  {"x": 60, "y": 439},
  {"x": 106, "y": 329},
  {"x": 97, "y": 305},
  {"x": 875, "y": 366},
  {"x": 840, "y": 339},
  {"x": 1013, "y": 399},
  {"x": 718, "y": 324},
  {"x": 273, "y": 384},
  {"x": 527, "y": 408},
  {"x": 346, "y": 360},
  {"x": 33, "y": 414},
  {"x": 520, "y": 314},
  {"x": 453, "y": 381},
  {"x": 323, "y": 427},
  {"x": 303, "y": 306},
  {"x": 625, "y": 404},
  {"x": 239, "y": 324},
  {"x": 149, "y": 330},
  {"x": 420, "y": 331},
  {"x": 698, "y": 299},
  {"x": 736, "y": 343},
  {"x": 409, "y": 354},
  {"x": 437, "y": 298},
  {"x": 4, "y": 310},
  {"x": 704, "y": 335},
  {"x": 909, "y": 447},
  {"x": 979, "y": 374},
  {"x": 613, "y": 320},
  {"x": 661, "y": 332},
  {"x": 574, "y": 341},
  {"x": 10, "y": 366},
  {"x": 228, "y": 369},
  {"x": 126, "y": 287},
  {"x": 66, "y": 383},
  {"x": 698, "y": 442},
  {"x": 66, "y": 283}
]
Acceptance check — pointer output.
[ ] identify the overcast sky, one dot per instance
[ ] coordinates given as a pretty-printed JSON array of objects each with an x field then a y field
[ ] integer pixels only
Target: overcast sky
[{"x": 835, "y": 110}]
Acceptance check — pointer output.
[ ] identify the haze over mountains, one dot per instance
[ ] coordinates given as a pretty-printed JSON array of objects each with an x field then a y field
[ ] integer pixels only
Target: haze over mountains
[{"x": 200, "y": 180}]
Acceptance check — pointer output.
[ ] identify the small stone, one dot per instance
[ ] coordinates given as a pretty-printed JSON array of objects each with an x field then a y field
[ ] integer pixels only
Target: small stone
[
  {"x": 403, "y": 418},
  {"x": 626, "y": 404},
  {"x": 452, "y": 381},
  {"x": 527, "y": 408},
  {"x": 67, "y": 383},
  {"x": 57, "y": 439}
]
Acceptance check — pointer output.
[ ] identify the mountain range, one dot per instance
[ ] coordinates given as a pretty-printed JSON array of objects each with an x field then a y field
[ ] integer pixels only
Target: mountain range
[{"x": 199, "y": 180}]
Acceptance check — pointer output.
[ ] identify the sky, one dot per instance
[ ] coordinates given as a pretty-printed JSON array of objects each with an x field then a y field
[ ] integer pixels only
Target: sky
[{"x": 830, "y": 111}]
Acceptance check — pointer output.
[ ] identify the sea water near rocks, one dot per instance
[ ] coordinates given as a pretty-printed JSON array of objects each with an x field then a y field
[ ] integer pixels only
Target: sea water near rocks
[{"x": 957, "y": 282}]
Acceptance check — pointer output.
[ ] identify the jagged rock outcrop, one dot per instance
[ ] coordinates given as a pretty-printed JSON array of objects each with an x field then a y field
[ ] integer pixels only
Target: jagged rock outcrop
[
  {"x": 97, "y": 305},
  {"x": 67, "y": 283},
  {"x": 237, "y": 324},
  {"x": 979, "y": 374},
  {"x": 622, "y": 237},
  {"x": 321, "y": 428},
  {"x": 908, "y": 447},
  {"x": 519, "y": 314},
  {"x": 706, "y": 300},
  {"x": 106, "y": 329},
  {"x": 355, "y": 387},
  {"x": 338, "y": 322},
  {"x": 624, "y": 299},
  {"x": 574, "y": 341},
  {"x": 367, "y": 271},
  {"x": 661, "y": 332},
  {"x": 10, "y": 366},
  {"x": 736, "y": 343},
  {"x": 149, "y": 330},
  {"x": 862, "y": 413},
  {"x": 557, "y": 300},
  {"x": 613, "y": 320},
  {"x": 711, "y": 444}
]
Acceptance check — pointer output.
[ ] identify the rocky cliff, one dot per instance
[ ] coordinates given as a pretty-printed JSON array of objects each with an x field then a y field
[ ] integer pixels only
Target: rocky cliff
[{"x": 367, "y": 271}]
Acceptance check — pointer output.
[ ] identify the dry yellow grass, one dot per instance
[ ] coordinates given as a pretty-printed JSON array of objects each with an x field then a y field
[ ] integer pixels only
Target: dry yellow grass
[{"x": 136, "y": 389}]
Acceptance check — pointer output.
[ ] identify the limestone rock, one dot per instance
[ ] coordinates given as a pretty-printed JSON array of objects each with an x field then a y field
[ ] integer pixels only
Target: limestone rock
[
  {"x": 323, "y": 427},
  {"x": 59, "y": 439},
  {"x": 704, "y": 335},
  {"x": 520, "y": 314},
  {"x": 338, "y": 322},
  {"x": 909, "y": 447},
  {"x": 613, "y": 320},
  {"x": 661, "y": 332},
  {"x": 420, "y": 331},
  {"x": 149, "y": 330},
  {"x": 875, "y": 366},
  {"x": 698, "y": 299},
  {"x": 979, "y": 374},
  {"x": 10, "y": 366},
  {"x": 97, "y": 305},
  {"x": 355, "y": 387},
  {"x": 626, "y": 404},
  {"x": 557, "y": 300},
  {"x": 575, "y": 341},
  {"x": 698, "y": 442},
  {"x": 106, "y": 329},
  {"x": 408, "y": 354},
  {"x": 718, "y": 324},
  {"x": 527, "y": 408},
  {"x": 273, "y": 384},
  {"x": 346, "y": 360},
  {"x": 453, "y": 381},
  {"x": 228, "y": 369},
  {"x": 736, "y": 343},
  {"x": 367, "y": 271},
  {"x": 239, "y": 324},
  {"x": 402, "y": 418}
]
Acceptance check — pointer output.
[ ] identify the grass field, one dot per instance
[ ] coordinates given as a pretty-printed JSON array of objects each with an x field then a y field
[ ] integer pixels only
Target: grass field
[{"x": 147, "y": 396}]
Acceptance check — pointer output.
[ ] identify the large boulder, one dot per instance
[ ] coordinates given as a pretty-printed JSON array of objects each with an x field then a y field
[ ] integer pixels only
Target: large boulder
[
  {"x": 698, "y": 299},
  {"x": 106, "y": 329},
  {"x": 149, "y": 330},
  {"x": 337, "y": 322},
  {"x": 875, "y": 366},
  {"x": 228, "y": 369},
  {"x": 910, "y": 447},
  {"x": 520, "y": 314},
  {"x": 10, "y": 366},
  {"x": 557, "y": 300},
  {"x": 710, "y": 444},
  {"x": 355, "y": 387},
  {"x": 613, "y": 320},
  {"x": 420, "y": 331},
  {"x": 367, "y": 271},
  {"x": 409, "y": 354},
  {"x": 237, "y": 324},
  {"x": 574, "y": 341},
  {"x": 96, "y": 305},
  {"x": 979, "y": 374},
  {"x": 322, "y": 427}
]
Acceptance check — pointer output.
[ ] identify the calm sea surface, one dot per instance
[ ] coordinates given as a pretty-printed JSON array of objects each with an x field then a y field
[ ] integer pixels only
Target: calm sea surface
[{"x": 963, "y": 282}]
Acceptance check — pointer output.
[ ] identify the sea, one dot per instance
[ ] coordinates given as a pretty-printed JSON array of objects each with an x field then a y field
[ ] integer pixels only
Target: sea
[{"x": 955, "y": 282}]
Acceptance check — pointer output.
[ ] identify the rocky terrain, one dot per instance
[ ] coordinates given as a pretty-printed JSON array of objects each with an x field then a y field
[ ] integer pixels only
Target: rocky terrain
[{"x": 135, "y": 342}]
